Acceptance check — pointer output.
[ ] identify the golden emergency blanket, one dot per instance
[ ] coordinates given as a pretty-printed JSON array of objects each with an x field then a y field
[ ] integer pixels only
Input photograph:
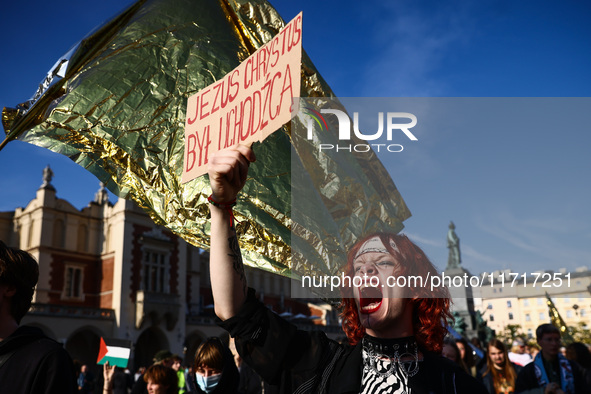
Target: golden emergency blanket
[{"x": 116, "y": 105}]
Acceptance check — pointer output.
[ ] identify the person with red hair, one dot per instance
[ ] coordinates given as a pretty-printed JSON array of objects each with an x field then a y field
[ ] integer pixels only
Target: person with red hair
[{"x": 395, "y": 332}]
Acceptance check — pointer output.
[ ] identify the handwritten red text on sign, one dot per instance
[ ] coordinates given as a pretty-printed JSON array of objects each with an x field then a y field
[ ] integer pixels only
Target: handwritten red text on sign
[{"x": 248, "y": 104}]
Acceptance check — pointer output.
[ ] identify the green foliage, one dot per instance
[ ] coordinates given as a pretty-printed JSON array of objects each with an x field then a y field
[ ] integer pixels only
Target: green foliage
[
  {"x": 581, "y": 333},
  {"x": 510, "y": 333}
]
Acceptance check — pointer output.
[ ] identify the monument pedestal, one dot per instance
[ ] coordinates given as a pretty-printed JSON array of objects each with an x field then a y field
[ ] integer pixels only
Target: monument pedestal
[{"x": 462, "y": 300}]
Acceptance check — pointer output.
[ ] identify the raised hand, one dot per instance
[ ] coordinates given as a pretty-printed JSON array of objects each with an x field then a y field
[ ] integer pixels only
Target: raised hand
[
  {"x": 228, "y": 170},
  {"x": 108, "y": 372}
]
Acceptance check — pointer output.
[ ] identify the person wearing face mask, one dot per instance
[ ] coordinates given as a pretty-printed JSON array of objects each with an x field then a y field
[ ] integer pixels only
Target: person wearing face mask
[
  {"x": 215, "y": 371},
  {"x": 395, "y": 333}
]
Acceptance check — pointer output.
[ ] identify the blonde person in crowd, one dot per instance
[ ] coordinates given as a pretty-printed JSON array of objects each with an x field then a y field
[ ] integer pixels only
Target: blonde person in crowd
[{"x": 518, "y": 354}]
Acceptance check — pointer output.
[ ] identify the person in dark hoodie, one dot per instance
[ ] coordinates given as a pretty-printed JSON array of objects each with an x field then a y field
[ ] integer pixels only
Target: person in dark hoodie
[
  {"x": 30, "y": 362},
  {"x": 215, "y": 370}
]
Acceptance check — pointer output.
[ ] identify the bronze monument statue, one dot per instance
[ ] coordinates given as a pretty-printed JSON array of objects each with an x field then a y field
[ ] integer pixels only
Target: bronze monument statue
[{"x": 453, "y": 243}]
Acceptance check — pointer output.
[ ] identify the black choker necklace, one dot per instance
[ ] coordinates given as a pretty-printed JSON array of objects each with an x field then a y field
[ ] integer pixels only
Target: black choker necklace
[{"x": 386, "y": 355}]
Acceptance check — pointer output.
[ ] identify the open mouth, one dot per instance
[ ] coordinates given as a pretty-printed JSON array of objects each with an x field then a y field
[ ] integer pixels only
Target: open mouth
[{"x": 370, "y": 299}]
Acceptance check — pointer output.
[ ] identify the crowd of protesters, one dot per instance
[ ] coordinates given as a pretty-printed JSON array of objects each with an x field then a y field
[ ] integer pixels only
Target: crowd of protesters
[
  {"x": 544, "y": 367},
  {"x": 400, "y": 346}
]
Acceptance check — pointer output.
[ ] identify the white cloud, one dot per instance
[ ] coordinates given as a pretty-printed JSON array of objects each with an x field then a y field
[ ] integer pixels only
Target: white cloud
[
  {"x": 539, "y": 242},
  {"x": 413, "y": 41}
]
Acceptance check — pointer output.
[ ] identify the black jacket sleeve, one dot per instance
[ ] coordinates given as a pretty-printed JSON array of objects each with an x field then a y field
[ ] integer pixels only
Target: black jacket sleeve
[{"x": 280, "y": 353}]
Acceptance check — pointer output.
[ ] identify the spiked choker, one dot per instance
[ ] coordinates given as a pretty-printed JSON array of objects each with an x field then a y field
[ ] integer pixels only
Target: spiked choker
[{"x": 385, "y": 356}]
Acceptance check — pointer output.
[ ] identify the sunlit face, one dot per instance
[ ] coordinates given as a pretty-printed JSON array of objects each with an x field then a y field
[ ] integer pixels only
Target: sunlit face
[
  {"x": 496, "y": 356},
  {"x": 383, "y": 310},
  {"x": 550, "y": 344},
  {"x": 205, "y": 371},
  {"x": 462, "y": 349},
  {"x": 155, "y": 388},
  {"x": 448, "y": 351}
]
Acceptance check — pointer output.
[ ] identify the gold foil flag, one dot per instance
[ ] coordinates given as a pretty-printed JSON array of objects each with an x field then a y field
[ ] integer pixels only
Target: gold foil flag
[{"x": 116, "y": 104}]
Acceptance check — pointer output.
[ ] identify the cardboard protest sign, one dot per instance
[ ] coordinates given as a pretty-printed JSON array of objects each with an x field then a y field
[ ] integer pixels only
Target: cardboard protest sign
[{"x": 248, "y": 104}]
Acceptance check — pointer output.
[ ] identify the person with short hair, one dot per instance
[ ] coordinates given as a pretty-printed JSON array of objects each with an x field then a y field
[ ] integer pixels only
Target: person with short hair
[
  {"x": 85, "y": 380},
  {"x": 159, "y": 379},
  {"x": 162, "y": 357},
  {"x": 550, "y": 372},
  {"x": 395, "y": 334},
  {"x": 30, "y": 362},
  {"x": 215, "y": 370},
  {"x": 518, "y": 354},
  {"x": 499, "y": 374}
]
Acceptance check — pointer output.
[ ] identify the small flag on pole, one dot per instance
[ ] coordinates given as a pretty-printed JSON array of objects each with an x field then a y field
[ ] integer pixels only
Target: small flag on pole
[{"x": 114, "y": 351}]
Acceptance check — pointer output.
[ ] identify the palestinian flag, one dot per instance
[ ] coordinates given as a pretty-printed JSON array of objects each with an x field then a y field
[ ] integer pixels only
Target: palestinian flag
[{"x": 114, "y": 351}]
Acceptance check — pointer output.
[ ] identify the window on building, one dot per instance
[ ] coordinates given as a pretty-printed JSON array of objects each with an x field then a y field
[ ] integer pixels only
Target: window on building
[
  {"x": 108, "y": 239},
  {"x": 581, "y": 297},
  {"x": 526, "y": 302},
  {"x": 489, "y": 306},
  {"x": 566, "y": 300},
  {"x": 491, "y": 318},
  {"x": 530, "y": 333},
  {"x": 155, "y": 271},
  {"x": 508, "y": 304},
  {"x": 542, "y": 316},
  {"x": 59, "y": 235},
  {"x": 527, "y": 317},
  {"x": 582, "y": 312},
  {"x": 510, "y": 316},
  {"x": 540, "y": 301},
  {"x": 82, "y": 238},
  {"x": 569, "y": 313},
  {"x": 31, "y": 233},
  {"x": 73, "y": 282}
]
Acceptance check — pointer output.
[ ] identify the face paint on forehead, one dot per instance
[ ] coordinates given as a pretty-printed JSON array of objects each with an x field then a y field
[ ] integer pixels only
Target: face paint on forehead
[{"x": 375, "y": 245}]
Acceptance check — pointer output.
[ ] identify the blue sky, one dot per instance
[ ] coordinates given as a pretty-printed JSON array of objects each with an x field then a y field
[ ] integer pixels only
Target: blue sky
[{"x": 519, "y": 200}]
